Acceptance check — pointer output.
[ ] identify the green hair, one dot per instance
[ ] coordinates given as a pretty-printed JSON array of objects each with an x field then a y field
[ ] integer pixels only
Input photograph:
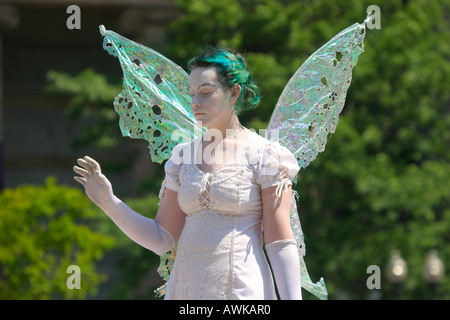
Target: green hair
[{"x": 231, "y": 70}]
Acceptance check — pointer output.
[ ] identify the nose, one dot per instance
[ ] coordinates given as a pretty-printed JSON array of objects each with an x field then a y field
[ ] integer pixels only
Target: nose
[{"x": 195, "y": 102}]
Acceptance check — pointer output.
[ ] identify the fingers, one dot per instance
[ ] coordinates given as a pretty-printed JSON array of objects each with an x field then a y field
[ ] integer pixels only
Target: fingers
[
  {"x": 94, "y": 164},
  {"x": 81, "y": 180},
  {"x": 85, "y": 165},
  {"x": 89, "y": 167},
  {"x": 81, "y": 172},
  {"x": 89, "y": 164}
]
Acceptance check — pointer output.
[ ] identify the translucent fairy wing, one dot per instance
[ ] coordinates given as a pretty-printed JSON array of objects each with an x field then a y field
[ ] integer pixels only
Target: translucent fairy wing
[
  {"x": 165, "y": 268},
  {"x": 309, "y": 106},
  {"x": 308, "y": 110},
  {"x": 155, "y": 101},
  {"x": 318, "y": 289}
]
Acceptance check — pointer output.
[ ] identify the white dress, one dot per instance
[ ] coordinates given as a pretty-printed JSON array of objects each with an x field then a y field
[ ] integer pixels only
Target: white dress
[{"x": 220, "y": 252}]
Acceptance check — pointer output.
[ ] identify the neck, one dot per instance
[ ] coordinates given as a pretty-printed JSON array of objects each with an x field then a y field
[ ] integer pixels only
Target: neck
[{"x": 229, "y": 129}]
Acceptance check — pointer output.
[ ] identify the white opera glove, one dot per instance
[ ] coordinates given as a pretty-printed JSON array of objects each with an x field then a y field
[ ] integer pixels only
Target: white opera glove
[
  {"x": 96, "y": 185},
  {"x": 144, "y": 231},
  {"x": 285, "y": 264}
]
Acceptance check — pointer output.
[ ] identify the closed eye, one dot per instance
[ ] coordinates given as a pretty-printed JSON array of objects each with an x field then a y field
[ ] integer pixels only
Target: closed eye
[{"x": 205, "y": 93}]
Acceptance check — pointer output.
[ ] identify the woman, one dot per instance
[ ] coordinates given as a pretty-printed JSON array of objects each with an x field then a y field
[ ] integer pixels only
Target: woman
[{"x": 220, "y": 192}]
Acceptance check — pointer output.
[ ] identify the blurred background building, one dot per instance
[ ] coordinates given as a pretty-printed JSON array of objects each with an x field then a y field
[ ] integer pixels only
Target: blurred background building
[{"x": 35, "y": 132}]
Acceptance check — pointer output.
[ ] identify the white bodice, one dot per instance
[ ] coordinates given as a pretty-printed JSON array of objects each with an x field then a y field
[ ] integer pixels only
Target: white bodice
[{"x": 220, "y": 252}]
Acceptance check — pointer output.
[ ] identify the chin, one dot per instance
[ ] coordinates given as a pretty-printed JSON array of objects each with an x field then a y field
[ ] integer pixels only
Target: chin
[{"x": 203, "y": 123}]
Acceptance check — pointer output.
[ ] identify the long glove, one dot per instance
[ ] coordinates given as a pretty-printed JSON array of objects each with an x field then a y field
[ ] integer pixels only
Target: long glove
[
  {"x": 144, "y": 231},
  {"x": 285, "y": 264}
]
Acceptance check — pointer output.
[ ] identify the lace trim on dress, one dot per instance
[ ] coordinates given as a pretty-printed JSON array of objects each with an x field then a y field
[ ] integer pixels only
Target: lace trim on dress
[{"x": 205, "y": 193}]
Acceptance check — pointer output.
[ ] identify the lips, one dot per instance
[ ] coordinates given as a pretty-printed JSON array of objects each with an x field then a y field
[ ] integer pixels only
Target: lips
[{"x": 198, "y": 113}]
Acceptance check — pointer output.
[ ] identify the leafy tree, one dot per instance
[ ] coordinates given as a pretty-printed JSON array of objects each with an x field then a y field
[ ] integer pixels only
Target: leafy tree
[
  {"x": 44, "y": 230},
  {"x": 90, "y": 99}
]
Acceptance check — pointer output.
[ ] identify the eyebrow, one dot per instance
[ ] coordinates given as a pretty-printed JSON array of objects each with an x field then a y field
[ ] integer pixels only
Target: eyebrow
[{"x": 207, "y": 84}]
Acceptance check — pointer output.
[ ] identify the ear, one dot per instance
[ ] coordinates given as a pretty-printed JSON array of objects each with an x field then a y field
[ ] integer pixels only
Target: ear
[{"x": 235, "y": 93}]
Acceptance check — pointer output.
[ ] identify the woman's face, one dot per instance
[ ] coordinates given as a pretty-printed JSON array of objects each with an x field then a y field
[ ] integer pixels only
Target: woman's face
[{"x": 211, "y": 102}]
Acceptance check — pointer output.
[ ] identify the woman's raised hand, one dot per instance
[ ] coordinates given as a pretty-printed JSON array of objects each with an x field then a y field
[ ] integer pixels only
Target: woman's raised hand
[{"x": 96, "y": 185}]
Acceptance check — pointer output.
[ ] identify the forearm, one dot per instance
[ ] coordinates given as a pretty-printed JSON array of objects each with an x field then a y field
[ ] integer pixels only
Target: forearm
[
  {"x": 142, "y": 230},
  {"x": 285, "y": 263}
]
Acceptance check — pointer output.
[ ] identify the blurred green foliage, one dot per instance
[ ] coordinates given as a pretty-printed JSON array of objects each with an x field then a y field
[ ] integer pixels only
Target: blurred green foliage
[
  {"x": 43, "y": 230},
  {"x": 91, "y": 98},
  {"x": 383, "y": 182}
]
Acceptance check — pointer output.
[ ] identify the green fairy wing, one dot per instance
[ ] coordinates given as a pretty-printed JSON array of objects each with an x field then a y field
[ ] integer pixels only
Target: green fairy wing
[
  {"x": 309, "y": 106},
  {"x": 155, "y": 101},
  {"x": 308, "y": 110}
]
